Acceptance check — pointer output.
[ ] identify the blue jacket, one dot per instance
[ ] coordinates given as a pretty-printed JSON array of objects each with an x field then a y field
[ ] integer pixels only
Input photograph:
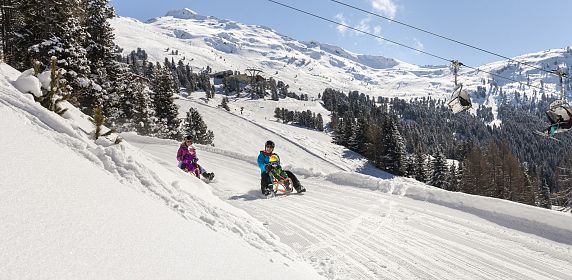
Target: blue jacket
[{"x": 263, "y": 160}]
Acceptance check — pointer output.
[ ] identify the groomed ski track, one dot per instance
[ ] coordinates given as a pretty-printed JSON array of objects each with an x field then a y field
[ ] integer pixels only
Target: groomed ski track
[{"x": 347, "y": 232}]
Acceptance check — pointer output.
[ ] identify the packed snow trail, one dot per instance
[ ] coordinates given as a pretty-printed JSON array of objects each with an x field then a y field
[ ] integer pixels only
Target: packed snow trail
[{"x": 352, "y": 233}]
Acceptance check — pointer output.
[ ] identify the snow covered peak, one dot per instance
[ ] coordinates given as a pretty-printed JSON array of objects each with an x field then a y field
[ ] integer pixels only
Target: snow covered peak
[{"x": 185, "y": 13}]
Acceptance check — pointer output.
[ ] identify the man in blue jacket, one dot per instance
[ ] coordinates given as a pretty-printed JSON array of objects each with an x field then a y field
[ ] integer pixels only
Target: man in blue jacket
[{"x": 266, "y": 168}]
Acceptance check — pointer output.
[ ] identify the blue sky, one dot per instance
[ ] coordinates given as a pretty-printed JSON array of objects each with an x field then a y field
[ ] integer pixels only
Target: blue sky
[{"x": 506, "y": 27}]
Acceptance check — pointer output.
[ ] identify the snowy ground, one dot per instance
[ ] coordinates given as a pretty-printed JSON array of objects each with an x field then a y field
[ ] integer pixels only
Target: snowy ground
[
  {"x": 354, "y": 226},
  {"x": 75, "y": 209}
]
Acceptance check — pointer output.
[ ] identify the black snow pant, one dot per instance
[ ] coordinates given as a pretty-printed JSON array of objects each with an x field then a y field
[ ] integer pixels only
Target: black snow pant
[{"x": 266, "y": 181}]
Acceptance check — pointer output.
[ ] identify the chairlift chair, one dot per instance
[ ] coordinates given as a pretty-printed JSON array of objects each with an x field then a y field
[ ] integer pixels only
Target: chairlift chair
[
  {"x": 460, "y": 100},
  {"x": 559, "y": 112}
]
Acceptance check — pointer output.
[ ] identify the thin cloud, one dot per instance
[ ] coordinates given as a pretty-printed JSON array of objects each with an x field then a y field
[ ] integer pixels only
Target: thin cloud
[
  {"x": 377, "y": 31},
  {"x": 418, "y": 45},
  {"x": 386, "y": 7},
  {"x": 341, "y": 29},
  {"x": 363, "y": 26}
]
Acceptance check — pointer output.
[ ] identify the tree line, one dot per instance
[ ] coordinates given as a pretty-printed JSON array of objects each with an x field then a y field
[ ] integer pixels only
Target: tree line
[
  {"x": 75, "y": 40},
  {"x": 304, "y": 118},
  {"x": 422, "y": 139}
]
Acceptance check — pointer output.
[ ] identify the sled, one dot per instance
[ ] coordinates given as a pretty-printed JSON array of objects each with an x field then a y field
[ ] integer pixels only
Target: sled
[{"x": 281, "y": 184}]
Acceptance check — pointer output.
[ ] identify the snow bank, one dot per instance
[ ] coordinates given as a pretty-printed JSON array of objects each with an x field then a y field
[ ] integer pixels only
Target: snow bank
[
  {"x": 546, "y": 223},
  {"x": 28, "y": 83}
]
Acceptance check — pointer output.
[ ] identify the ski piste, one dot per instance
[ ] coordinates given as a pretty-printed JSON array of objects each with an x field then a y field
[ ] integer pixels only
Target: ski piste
[{"x": 278, "y": 195}]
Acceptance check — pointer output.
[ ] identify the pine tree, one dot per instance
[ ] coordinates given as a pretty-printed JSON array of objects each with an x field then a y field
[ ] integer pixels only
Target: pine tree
[
  {"x": 98, "y": 120},
  {"x": 143, "y": 118},
  {"x": 438, "y": 178},
  {"x": 420, "y": 167},
  {"x": 53, "y": 96},
  {"x": 10, "y": 22},
  {"x": 358, "y": 139},
  {"x": 393, "y": 148},
  {"x": 409, "y": 167},
  {"x": 100, "y": 50},
  {"x": 273, "y": 89},
  {"x": 195, "y": 126},
  {"x": 475, "y": 166},
  {"x": 374, "y": 145},
  {"x": 338, "y": 133},
  {"x": 165, "y": 109},
  {"x": 543, "y": 195},
  {"x": 278, "y": 113},
  {"x": 53, "y": 28},
  {"x": 452, "y": 179},
  {"x": 320, "y": 122}
]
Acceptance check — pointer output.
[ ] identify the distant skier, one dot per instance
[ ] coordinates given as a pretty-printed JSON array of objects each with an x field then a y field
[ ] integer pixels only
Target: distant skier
[
  {"x": 188, "y": 159},
  {"x": 266, "y": 170}
]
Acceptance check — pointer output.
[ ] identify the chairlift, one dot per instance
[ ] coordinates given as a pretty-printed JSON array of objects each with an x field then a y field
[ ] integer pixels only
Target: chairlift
[
  {"x": 559, "y": 112},
  {"x": 460, "y": 100}
]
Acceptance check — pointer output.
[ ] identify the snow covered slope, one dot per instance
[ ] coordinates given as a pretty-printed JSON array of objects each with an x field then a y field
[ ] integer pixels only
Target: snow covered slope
[
  {"x": 310, "y": 67},
  {"x": 355, "y": 226},
  {"x": 72, "y": 209}
]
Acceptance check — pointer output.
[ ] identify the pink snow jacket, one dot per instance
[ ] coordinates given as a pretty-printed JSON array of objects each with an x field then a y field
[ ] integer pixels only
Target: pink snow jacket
[
  {"x": 188, "y": 158},
  {"x": 183, "y": 152}
]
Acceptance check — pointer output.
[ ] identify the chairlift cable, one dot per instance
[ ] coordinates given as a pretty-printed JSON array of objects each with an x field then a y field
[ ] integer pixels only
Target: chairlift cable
[
  {"x": 403, "y": 45},
  {"x": 443, "y": 37},
  {"x": 359, "y": 30}
]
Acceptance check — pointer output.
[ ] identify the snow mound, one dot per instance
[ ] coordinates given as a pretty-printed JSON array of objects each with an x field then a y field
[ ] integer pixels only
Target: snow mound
[{"x": 28, "y": 83}]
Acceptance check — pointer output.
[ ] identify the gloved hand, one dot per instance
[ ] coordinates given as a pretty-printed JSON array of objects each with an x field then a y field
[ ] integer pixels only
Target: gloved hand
[
  {"x": 268, "y": 168},
  {"x": 195, "y": 160}
]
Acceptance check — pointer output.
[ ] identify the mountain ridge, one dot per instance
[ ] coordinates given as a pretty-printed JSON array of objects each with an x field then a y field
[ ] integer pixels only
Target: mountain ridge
[{"x": 310, "y": 66}]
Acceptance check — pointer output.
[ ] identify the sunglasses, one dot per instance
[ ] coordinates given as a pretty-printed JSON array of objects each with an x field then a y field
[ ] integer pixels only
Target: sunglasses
[{"x": 269, "y": 147}]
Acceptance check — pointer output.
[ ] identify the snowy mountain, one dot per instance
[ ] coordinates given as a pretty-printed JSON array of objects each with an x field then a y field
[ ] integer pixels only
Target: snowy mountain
[
  {"x": 93, "y": 210},
  {"x": 75, "y": 208},
  {"x": 310, "y": 67}
]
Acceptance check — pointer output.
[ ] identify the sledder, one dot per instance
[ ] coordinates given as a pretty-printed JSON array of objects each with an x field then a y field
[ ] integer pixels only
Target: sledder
[
  {"x": 188, "y": 160},
  {"x": 272, "y": 175},
  {"x": 279, "y": 177}
]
